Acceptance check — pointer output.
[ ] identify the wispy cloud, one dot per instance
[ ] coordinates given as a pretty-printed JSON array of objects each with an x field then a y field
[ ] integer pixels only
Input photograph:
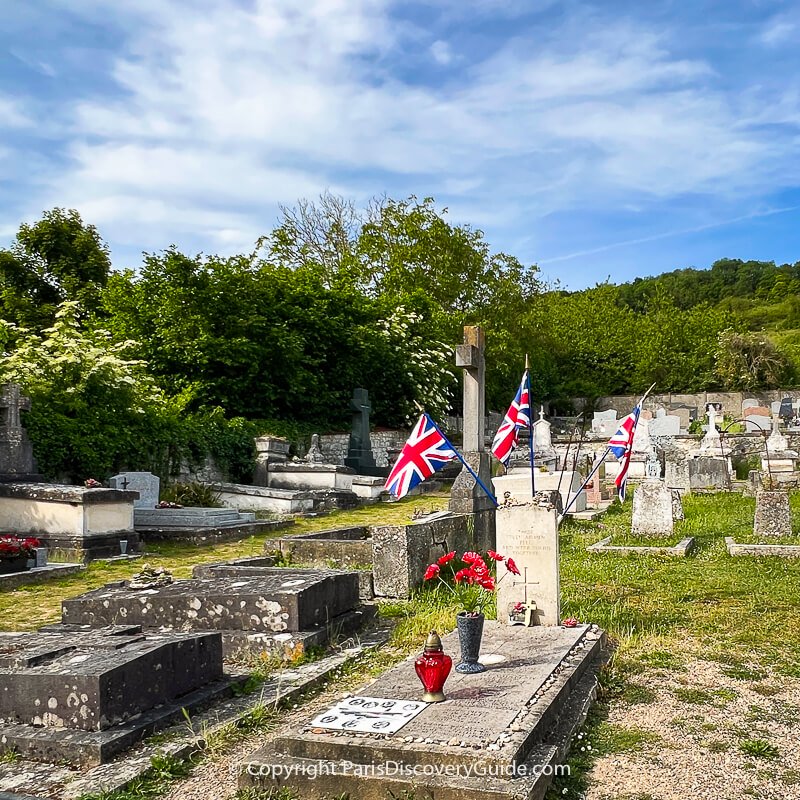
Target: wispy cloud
[{"x": 207, "y": 120}]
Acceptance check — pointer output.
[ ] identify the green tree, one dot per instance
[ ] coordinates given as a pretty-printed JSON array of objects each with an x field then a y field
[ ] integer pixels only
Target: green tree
[
  {"x": 55, "y": 259},
  {"x": 749, "y": 361}
]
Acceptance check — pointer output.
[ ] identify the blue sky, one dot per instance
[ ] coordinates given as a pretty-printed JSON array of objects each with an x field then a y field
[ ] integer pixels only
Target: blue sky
[{"x": 609, "y": 139}]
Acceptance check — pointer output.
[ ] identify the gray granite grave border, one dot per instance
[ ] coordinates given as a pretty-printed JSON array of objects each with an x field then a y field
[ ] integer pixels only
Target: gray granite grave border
[
  {"x": 781, "y": 550},
  {"x": 39, "y": 575},
  {"x": 182, "y": 743},
  {"x": 680, "y": 550}
]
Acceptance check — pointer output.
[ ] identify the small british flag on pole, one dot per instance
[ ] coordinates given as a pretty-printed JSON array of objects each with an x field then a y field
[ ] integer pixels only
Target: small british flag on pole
[
  {"x": 518, "y": 416},
  {"x": 426, "y": 451},
  {"x": 621, "y": 445}
]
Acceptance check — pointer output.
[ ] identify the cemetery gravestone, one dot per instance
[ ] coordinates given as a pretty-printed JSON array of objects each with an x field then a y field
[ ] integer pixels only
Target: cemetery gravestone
[
  {"x": 528, "y": 533},
  {"x": 466, "y": 495},
  {"x": 652, "y": 509},
  {"x": 749, "y": 403},
  {"x": 665, "y": 424},
  {"x": 147, "y": 484},
  {"x": 708, "y": 472},
  {"x": 16, "y": 451},
  {"x": 756, "y": 423},
  {"x": 604, "y": 422},
  {"x": 773, "y": 516},
  {"x": 359, "y": 453},
  {"x": 786, "y": 412}
]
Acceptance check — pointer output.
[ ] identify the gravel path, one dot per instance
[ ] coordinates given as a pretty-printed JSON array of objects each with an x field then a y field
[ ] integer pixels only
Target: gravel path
[{"x": 700, "y": 734}]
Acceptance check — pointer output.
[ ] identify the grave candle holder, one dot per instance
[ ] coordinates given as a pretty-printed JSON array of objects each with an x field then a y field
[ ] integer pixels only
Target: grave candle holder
[{"x": 433, "y": 668}]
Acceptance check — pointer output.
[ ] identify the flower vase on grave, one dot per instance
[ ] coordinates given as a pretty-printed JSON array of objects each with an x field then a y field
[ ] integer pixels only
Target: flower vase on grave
[
  {"x": 470, "y": 633},
  {"x": 433, "y": 667}
]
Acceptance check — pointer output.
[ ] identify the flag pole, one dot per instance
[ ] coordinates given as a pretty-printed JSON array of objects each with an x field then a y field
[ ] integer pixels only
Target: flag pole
[
  {"x": 585, "y": 483},
  {"x": 469, "y": 469},
  {"x": 605, "y": 455},
  {"x": 530, "y": 424}
]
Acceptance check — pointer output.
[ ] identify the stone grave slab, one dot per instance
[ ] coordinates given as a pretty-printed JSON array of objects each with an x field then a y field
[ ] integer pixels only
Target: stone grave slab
[
  {"x": 147, "y": 484},
  {"x": 521, "y": 711},
  {"x": 82, "y": 694},
  {"x": 665, "y": 424},
  {"x": 344, "y": 546},
  {"x": 757, "y": 423},
  {"x": 283, "y": 601}
]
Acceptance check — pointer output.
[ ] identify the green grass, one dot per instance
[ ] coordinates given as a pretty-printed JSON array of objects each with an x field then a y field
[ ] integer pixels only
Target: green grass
[
  {"x": 709, "y": 604},
  {"x": 759, "y": 748},
  {"x": 30, "y": 607}
]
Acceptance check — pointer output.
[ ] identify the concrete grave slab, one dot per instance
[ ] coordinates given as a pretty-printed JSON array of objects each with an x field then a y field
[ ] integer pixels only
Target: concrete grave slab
[
  {"x": 761, "y": 550},
  {"x": 519, "y": 713},
  {"x": 282, "y": 601},
  {"x": 681, "y": 550}
]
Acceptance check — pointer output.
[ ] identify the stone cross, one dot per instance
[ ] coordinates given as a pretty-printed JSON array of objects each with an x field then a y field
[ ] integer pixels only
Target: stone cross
[
  {"x": 16, "y": 451},
  {"x": 12, "y": 401},
  {"x": 470, "y": 357},
  {"x": 359, "y": 452},
  {"x": 467, "y": 497},
  {"x": 359, "y": 405}
]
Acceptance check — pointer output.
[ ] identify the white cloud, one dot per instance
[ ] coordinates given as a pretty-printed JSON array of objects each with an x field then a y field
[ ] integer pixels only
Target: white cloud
[
  {"x": 13, "y": 114},
  {"x": 226, "y": 111},
  {"x": 441, "y": 52}
]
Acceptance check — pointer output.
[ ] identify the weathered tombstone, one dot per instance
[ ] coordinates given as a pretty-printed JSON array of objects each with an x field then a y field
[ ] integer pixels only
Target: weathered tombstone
[
  {"x": 676, "y": 468},
  {"x": 749, "y": 403},
  {"x": 756, "y": 423},
  {"x": 773, "y": 516},
  {"x": 652, "y": 509},
  {"x": 16, "y": 451},
  {"x": 269, "y": 450},
  {"x": 665, "y": 424},
  {"x": 544, "y": 453},
  {"x": 604, "y": 422},
  {"x": 711, "y": 442},
  {"x": 147, "y": 484},
  {"x": 775, "y": 407},
  {"x": 86, "y": 695},
  {"x": 677, "y": 505},
  {"x": 528, "y": 533},
  {"x": 467, "y": 496},
  {"x": 642, "y": 443},
  {"x": 786, "y": 412},
  {"x": 708, "y": 472},
  {"x": 359, "y": 453}
]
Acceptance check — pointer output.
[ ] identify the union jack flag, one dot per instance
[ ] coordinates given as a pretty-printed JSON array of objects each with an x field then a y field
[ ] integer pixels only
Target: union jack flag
[
  {"x": 518, "y": 416},
  {"x": 621, "y": 445},
  {"x": 426, "y": 451}
]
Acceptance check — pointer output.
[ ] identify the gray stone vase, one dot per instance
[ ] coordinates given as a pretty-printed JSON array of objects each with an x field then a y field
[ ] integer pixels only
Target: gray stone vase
[{"x": 470, "y": 633}]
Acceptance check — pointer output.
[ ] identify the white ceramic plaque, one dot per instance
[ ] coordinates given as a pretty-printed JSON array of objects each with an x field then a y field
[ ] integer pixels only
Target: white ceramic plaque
[{"x": 369, "y": 715}]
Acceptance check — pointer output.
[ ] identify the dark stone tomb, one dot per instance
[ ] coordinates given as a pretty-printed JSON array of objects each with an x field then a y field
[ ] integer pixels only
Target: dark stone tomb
[
  {"x": 257, "y": 610},
  {"x": 85, "y": 695}
]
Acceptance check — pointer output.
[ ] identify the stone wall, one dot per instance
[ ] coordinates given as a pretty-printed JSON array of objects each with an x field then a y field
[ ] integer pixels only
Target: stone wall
[
  {"x": 334, "y": 445},
  {"x": 731, "y": 401}
]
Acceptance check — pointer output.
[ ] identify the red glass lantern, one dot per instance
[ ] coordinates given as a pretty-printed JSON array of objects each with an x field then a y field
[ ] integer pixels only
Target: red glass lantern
[{"x": 433, "y": 667}]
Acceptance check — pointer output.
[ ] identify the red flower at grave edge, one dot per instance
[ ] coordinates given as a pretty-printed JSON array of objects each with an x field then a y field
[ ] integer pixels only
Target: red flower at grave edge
[
  {"x": 570, "y": 622},
  {"x": 512, "y": 567},
  {"x": 494, "y": 555},
  {"x": 446, "y": 558},
  {"x": 431, "y": 572},
  {"x": 470, "y": 557}
]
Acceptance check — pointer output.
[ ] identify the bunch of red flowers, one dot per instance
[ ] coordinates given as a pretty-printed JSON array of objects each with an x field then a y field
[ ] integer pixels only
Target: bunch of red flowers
[
  {"x": 474, "y": 583},
  {"x": 12, "y": 547}
]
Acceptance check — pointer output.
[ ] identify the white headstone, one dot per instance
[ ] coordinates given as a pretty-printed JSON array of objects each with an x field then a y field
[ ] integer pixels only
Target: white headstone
[
  {"x": 147, "y": 484},
  {"x": 710, "y": 444},
  {"x": 604, "y": 422},
  {"x": 775, "y": 407},
  {"x": 529, "y": 535},
  {"x": 652, "y": 509},
  {"x": 756, "y": 423},
  {"x": 641, "y": 436},
  {"x": 750, "y": 403},
  {"x": 542, "y": 438},
  {"x": 777, "y": 442},
  {"x": 665, "y": 425}
]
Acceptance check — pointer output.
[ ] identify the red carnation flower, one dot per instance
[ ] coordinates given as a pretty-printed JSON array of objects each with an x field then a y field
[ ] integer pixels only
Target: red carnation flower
[
  {"x": 488, "y": 583},
  {"x": 446, "y": 558},
  {"x": 494, "y": 555},
  {"x": 512, "y": 567},
  {"x": 470, "y": 557},
  {"x": 431, "y": 572}
]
